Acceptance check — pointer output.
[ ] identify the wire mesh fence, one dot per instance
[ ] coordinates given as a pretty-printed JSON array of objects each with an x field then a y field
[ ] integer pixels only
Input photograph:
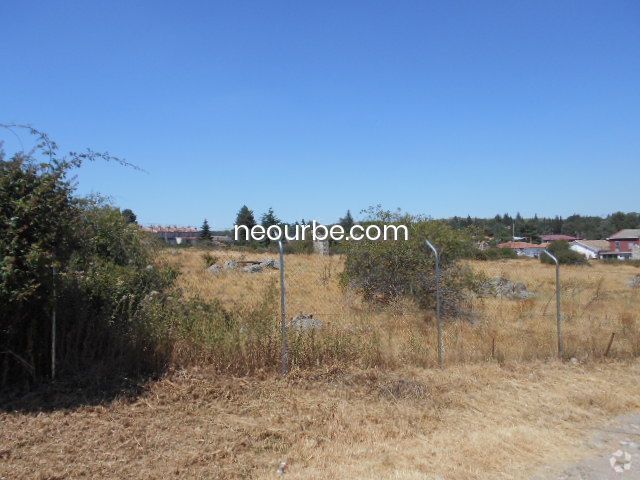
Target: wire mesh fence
[{"x": 329, "y": 323}]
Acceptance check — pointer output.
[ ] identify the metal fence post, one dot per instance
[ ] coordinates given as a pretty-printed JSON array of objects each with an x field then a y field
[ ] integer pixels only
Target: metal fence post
[
  {"x": 558, "y": 312},
  {"x": 53, "y": 327},
  {"x": 283, "y": 312},
  {"x": 438, "y": 307}
]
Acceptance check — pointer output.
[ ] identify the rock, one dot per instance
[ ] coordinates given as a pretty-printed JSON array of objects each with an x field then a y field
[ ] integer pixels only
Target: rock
[
  {"x": 260, "y": 266},
  {"x": 501, "y": 287},
  {"x": 270, "y": 263},
  {"x": 634, "y": 282},
  {"x": 253, "y": 268},
  {"x": 214, "y": 269},
  {"x": 230, "y": 265},
  {"x": 306, "y": 322}
]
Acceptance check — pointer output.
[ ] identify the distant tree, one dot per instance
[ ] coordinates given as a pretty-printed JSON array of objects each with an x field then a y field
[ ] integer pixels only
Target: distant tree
[
  {"x": 347, "y": 221},
  {"x": 129, "y": 216},
  {"x": 245, "y": 217},
  {"x": 564, "y": 254},
  {"x": 205, "y": 231},
  {"x": 268, "y": 219}
]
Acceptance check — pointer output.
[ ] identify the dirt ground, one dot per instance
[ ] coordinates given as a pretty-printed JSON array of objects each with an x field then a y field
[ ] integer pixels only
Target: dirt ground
[{"x": 483, "y": 421}]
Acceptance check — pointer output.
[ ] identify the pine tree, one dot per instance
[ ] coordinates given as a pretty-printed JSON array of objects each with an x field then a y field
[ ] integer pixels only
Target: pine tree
[
  {"x": 205, "y": 231},
  {"x": 347, "y": 221},
  {"x": 269, "y": 219},
  {"x": 245, "y": 217}
]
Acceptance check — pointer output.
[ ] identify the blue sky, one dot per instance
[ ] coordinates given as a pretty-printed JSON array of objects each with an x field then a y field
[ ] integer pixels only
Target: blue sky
[{"x": 442, "y": 108}]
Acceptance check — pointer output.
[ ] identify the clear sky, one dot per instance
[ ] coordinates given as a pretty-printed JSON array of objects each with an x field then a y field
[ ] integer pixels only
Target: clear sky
[{"x": 442, "y": 108}]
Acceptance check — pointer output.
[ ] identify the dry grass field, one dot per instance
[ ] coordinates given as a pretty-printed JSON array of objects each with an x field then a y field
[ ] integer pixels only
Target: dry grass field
[
  {"x": 378, "y": 409},
  {"x": 596, "y": 301}
]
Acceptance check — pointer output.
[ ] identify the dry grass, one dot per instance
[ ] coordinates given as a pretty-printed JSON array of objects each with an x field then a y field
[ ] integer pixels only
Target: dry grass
[
  {"x": 596, "y": 302},
  {"x": 469, "y": 422},
  {"x": 369, "y": 411}
]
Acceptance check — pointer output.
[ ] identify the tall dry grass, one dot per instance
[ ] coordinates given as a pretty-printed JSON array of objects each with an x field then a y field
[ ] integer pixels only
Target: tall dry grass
[{"x": 596, "y": 302}]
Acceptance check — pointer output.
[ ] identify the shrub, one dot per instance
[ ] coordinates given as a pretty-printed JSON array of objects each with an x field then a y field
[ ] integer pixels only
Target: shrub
[
  {"x": 106, "y": 291},
  {"x": 383, "y": 271},
  {"x": 495, "y": 253},
  {"x": 564, "y": 254}
]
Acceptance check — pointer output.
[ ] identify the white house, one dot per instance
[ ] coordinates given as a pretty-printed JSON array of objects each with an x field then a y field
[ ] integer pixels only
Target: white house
[{"x": 590, "y": 248}]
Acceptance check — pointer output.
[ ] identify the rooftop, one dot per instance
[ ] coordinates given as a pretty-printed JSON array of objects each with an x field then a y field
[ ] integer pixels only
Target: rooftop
[
  {"x": 169, "y": 229},
  {"x": 626, "y": 233},
  {"x": 519, "y": 245},
  {"x": 594, "y": 245},
  {"x": 556, "y": 237}
]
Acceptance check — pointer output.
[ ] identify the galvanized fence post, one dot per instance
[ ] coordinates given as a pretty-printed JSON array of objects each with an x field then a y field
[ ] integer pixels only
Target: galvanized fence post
[
  {"x": 283, "y": 312},
  {"x": 438, "y": 307},
  {"x": 558, "y": 312},
  {"x": 53, "y": 326}
]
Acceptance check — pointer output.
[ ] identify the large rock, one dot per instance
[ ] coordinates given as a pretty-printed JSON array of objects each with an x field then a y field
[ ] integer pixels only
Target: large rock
[
  {"x": 501, "y": 287},
  {"x": 214, "y": 269},
  {"x": 634, "y": 282},
  {"x": 230, "y": 265},
  {"x": 269, "y": 263},
  {"x": 306, "y": 322}
]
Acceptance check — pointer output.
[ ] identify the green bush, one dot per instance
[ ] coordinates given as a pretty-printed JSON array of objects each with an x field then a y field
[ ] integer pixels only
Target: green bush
[
  {"x": 495, "y": 253},
  {"x": 383, "y": 271},
  {"x": 83, "y": 260},
  {"x": 564, "y": 254}
]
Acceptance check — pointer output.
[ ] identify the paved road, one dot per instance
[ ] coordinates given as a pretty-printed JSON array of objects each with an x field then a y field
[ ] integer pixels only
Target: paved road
[{"x": 615, "y": 454}]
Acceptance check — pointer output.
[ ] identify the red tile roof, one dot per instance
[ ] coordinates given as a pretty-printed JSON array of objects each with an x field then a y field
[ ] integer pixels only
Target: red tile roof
[
  {"x": 518, "y": 245},
  {"x": 556, "y": 237}
]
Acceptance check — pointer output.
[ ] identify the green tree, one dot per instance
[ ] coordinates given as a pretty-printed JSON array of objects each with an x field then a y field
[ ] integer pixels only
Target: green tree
[
  {"x": 268, "y": 219},
  {"x": 562, "y": 251},
  {"x": 129, "y": 216},
  {"x": 205, "y": 232},
  {"x": 383, "y": 271},
  {"x": 245, "y": 217},
  {"x": 347, "y": 221}
]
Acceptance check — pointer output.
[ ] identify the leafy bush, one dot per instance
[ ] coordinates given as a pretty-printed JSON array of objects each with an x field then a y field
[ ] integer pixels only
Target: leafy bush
[
  {"x": 82, "y": 259},
  {"x": 495, "y": 253},
  {"x": 564, "y": 254},
  {"x": 383, "y": 271}
]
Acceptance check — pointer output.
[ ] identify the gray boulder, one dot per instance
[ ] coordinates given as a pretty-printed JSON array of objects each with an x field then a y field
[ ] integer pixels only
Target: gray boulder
[
  {"x": 253, "y": 268},
  {"x": 214, "y": 269},
  {"x": 501, "y": 287},
  {"x": 306, "y": 322},
  {"x": 230, "y": 265},
  {"x": 634, "y": 282}
]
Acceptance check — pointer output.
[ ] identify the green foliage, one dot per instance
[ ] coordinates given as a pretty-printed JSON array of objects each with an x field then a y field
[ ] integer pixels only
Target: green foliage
[
  {"x": 205, "y": 231},
  {"x": 83, "y": 259},
  {"x": 245, "y": 217},
  {"x": 383, "y": 271},
  {"x": 208, "y": 259},
  {"x": 562, "y": 251},
  {"x": 495, "y": 253},
  {"x": 129, "y": 216},
  {"x": 267, "y": 220},
  {"x": 591, "y": 227},
  {"x": 347, "y": 221}
]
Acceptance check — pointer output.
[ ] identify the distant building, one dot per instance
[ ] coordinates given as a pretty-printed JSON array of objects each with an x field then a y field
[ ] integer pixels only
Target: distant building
[
  {"x": 525, "y": 249},
  {"x": 590, "y": 248},
  {"x": 175, "y": 235},
  {"x": 557, "y": 237},
  {"x": 622, "y": 243}
]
